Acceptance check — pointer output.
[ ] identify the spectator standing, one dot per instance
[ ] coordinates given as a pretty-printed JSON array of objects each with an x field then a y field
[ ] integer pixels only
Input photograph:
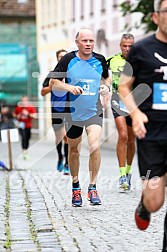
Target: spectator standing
[{"x": 24, "y": 113}]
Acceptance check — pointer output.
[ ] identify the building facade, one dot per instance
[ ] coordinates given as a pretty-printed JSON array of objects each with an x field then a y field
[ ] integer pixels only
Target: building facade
[
  {"x": 18, "y": 57},
  {"x": 53, "y": 20}
]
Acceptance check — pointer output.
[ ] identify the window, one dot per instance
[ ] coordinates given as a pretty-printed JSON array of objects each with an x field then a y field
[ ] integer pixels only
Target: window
[
  {"x": 101, "y": 37},
  {"x": 91, "y": 7},
  {"x": 103, "y": 6},
  {"x": 63, "y": 11},
  {"x": 115, "y": 4},
  {"x": 82, "y": 9},
  {"x": 22, "y": 1},
  {"x": 42, "y": 14},
  {"x": 55, "y": 6},
  {"x": 73, "y": 13},
  {"x": 55, "y": 12},
  {"x": 49, "y": 12}
]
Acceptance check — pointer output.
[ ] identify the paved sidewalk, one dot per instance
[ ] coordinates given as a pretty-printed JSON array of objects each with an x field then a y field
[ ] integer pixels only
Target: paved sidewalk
[{"x": 36, "y": 212}]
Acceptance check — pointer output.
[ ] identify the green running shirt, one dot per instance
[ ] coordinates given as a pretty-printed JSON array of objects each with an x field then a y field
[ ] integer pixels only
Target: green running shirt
[{"x": 116, "y": 64}]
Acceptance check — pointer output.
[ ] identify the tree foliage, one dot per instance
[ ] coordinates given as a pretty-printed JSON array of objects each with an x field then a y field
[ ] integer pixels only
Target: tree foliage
[{"x": 143, "y": 6}]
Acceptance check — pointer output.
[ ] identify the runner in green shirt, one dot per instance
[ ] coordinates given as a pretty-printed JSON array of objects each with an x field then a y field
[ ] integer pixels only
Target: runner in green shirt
[{"x": 126, "y": 140}]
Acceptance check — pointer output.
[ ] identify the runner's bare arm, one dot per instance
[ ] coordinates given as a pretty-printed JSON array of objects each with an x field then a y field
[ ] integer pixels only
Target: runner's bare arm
[{"x": 56, "y": 84}]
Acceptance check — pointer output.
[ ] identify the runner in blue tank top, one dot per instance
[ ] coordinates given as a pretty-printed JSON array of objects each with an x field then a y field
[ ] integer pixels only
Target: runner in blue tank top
[{"x": 86, "y": 78}]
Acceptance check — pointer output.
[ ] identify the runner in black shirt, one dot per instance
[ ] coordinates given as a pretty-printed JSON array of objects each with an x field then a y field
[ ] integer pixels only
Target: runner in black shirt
[{"x": 148, "y": 59}]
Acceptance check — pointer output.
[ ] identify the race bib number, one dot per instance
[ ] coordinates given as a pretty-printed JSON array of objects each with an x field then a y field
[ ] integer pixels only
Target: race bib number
[
  {"x": 88, "y": 86},
  {"x": 159, "y": 96}
]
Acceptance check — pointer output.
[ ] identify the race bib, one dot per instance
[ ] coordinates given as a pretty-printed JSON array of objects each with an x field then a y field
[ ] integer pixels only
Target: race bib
[
  {"x": 159, "y": 96},
  {"x": 123, "y": 107},
  {"x": 89, "y": 86}
]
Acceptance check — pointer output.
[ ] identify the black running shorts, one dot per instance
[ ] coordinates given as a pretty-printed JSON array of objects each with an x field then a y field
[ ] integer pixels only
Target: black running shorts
[
  {"x": 58, "y": 120},
  {"x": 74, "y": 129},
  {"x": 152, "y": 158}
]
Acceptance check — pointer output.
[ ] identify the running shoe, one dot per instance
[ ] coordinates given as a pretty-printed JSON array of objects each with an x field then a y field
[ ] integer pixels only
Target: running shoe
[
  {"x": 123, "y": 183},
  {"x": 93, "y": 197},
  {"x": 25, "y": 156},
  {"x": 76, "y": 197},
  {"x": 66, "y": 170},
  {"x": 142, "y": 217},
  {"x": 128, "y": 177},
  {"x": 60, "y": 165}
]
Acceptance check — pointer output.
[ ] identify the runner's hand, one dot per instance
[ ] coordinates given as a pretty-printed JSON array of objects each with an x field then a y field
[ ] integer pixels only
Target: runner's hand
[
  {"x": 138, "y": 123},
  {"x": 104, "y": 90},
  {"x": 75, "y": 90}
]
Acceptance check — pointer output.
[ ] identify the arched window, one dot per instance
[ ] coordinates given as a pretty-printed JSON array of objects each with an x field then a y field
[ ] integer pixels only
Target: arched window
[{"x": 101, "y": 38}]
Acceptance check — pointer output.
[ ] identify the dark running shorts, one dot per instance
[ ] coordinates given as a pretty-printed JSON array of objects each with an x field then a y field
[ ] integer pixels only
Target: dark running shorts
[
  {"x": 58, "y": 120},
  {"x": 152, "y": 158},
  {"x": 116, "y": 109},
  {"x": 75, "y": 129}
]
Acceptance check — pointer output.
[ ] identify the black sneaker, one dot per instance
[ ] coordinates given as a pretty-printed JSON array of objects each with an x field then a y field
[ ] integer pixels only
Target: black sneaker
[{"x": 142, "y": 216}]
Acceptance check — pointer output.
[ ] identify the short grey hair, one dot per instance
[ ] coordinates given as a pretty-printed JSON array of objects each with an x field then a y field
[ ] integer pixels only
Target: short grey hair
[
  {"x": 157, "y": 4},
  {"x": 127, "y": 36}
]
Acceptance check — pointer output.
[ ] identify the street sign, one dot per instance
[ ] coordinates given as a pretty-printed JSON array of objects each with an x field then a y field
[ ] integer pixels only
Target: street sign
[{"x": 14, "y": 135}]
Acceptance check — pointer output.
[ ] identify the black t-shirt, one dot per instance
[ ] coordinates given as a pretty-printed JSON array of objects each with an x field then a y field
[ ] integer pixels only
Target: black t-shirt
[{"x": 148, "y": 59}]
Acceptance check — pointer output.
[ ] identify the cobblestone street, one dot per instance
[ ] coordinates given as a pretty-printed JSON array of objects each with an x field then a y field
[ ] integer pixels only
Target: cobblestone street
[{"x": 36, "y": 212}]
